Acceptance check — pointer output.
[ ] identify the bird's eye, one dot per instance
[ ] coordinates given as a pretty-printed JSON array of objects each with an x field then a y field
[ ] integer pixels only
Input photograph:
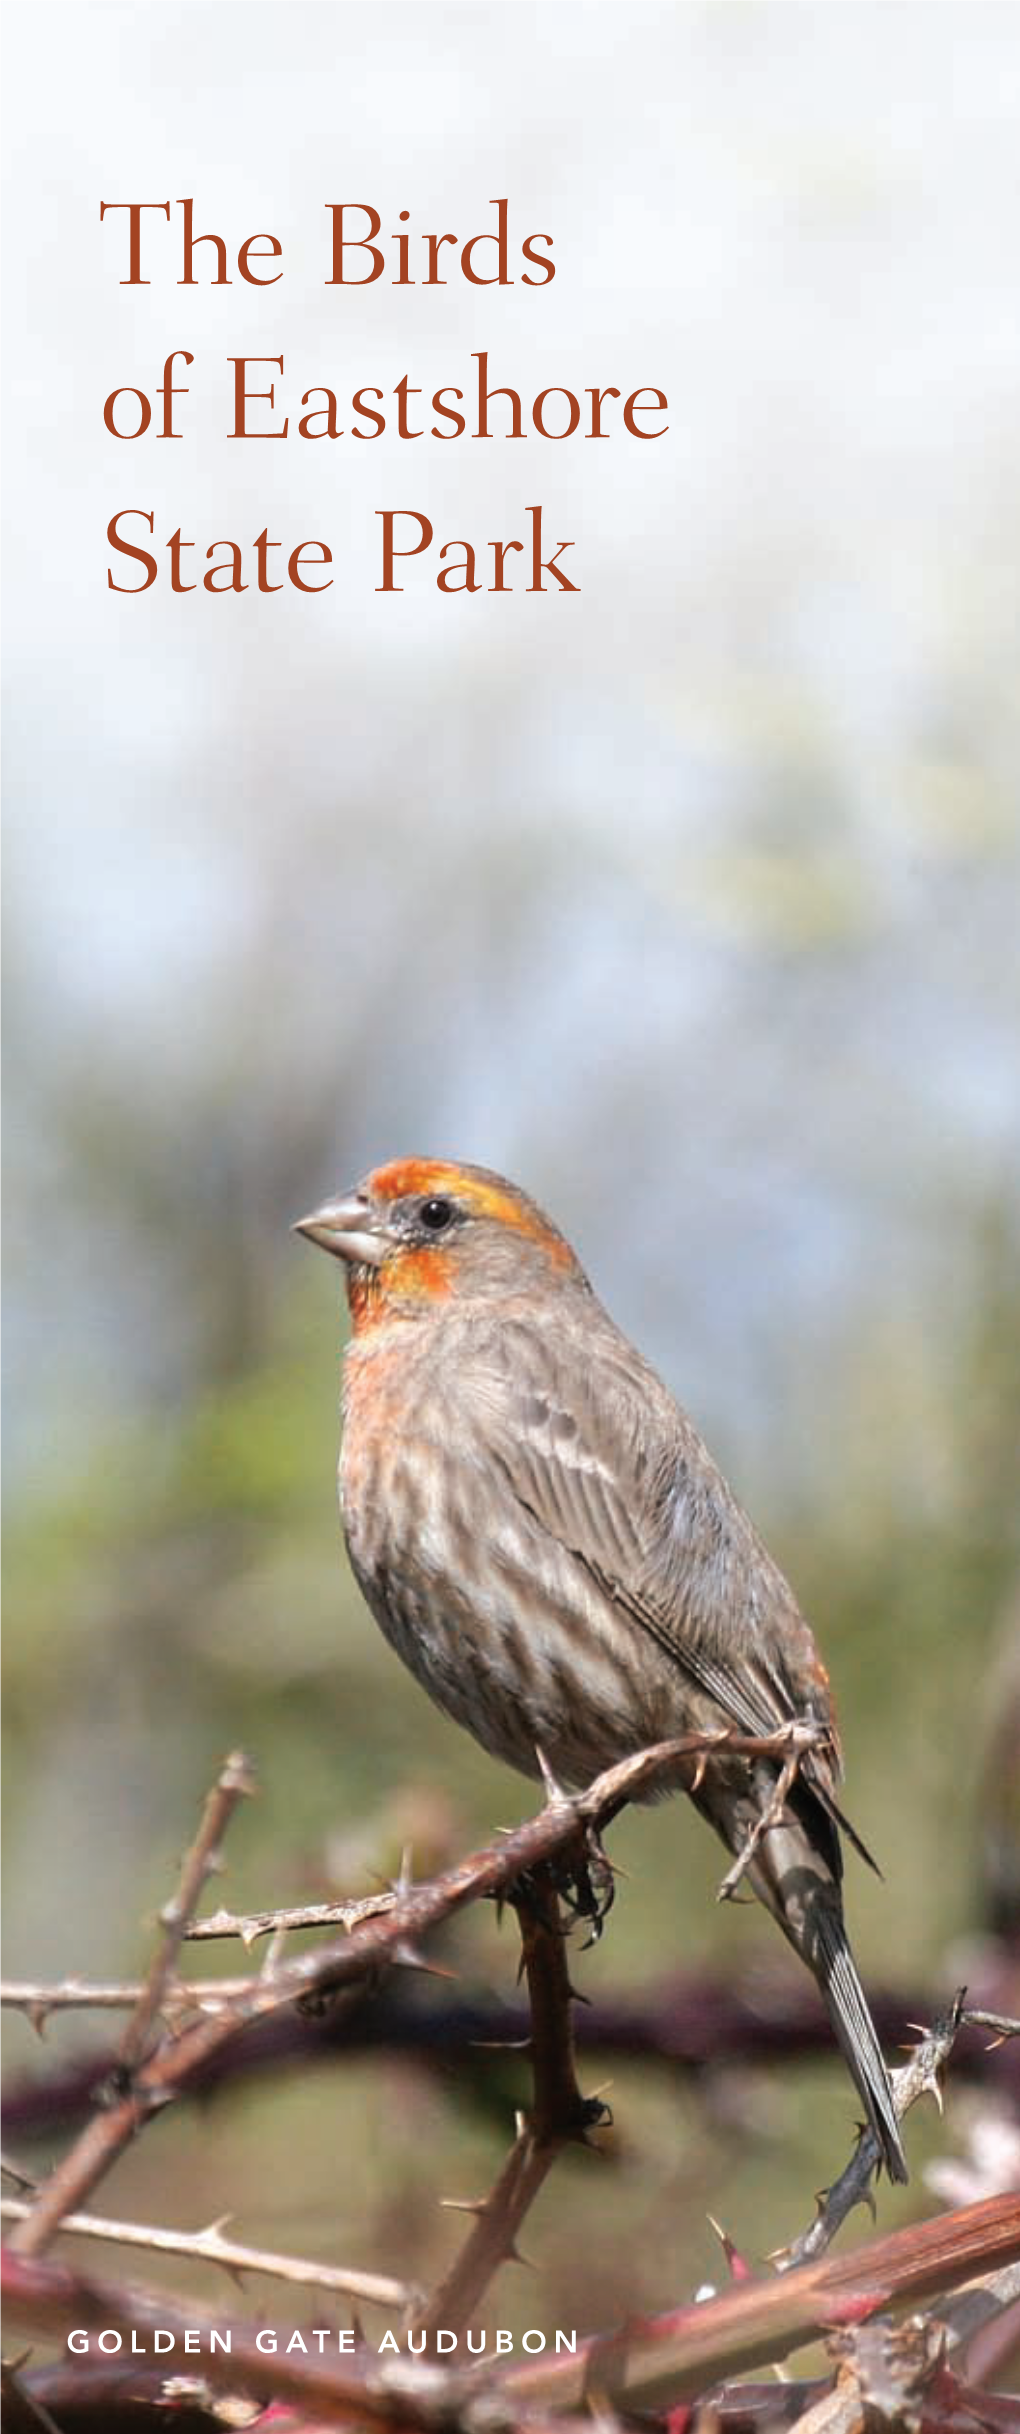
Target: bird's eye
[{"x": 437, "y": 1214}]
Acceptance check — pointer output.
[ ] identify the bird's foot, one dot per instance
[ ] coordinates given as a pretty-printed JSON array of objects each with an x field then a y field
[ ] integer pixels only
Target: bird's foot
[
  {"x": 586, "y": 1882},
  {"x": 583, "y": 1879}
]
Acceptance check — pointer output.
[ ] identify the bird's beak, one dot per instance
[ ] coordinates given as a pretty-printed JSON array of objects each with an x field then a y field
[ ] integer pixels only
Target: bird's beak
[{"x": 350, "y": 1228}]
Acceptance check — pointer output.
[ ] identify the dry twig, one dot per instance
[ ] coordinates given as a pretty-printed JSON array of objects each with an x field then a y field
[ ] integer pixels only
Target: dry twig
[
  {"x": 696, "y": 2347},
  {"x": 209, "y": 2247},
  {"x": 158, "y": 2078},
  {"x": 559, "y": 2115},
  {"x": 921, "y": 2076},
  {"x": 657, "y": 2360},
  {"x": 249, "y": 1927},
  {"x": 235, "y": 1782},
  {"x": 105, "y": 2136},
  {"x": 38, "y": 1997},
  {"x": 799, "y": 1738}
]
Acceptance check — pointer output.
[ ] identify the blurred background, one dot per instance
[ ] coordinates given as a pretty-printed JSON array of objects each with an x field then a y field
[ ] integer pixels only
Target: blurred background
[{"x": 689, "y": 902}]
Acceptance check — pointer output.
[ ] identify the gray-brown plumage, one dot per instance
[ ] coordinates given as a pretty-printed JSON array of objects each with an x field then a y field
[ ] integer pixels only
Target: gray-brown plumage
[{"x": 545, "y": 1540}]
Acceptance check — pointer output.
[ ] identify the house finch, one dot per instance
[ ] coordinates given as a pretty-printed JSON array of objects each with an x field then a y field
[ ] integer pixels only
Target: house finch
[{"x": 547, "y": 1543}]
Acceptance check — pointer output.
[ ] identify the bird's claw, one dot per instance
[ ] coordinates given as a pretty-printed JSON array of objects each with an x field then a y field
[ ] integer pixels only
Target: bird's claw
[
  {"x": 588, "y": 1886},
  {"x": 584, "y": 1881}
]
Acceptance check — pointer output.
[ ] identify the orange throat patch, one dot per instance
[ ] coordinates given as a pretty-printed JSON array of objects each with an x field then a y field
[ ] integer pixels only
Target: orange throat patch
[{"x": 407, "y": 1280}]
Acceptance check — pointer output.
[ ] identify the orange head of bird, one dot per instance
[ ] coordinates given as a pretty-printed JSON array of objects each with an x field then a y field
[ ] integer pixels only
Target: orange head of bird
[{"x": 420, "y": 1230}]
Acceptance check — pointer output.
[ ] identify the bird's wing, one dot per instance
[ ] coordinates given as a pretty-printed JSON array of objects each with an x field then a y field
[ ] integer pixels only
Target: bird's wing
[
  {"x": 598, "y": 1453},
  {"x": 601, "y": 1457}
]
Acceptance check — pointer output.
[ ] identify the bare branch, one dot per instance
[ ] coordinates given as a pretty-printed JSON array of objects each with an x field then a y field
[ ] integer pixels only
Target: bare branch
[
  {"x": 921, "y": 2076},
  {"x": 690, "y": 2350},
  {"x": 210, "y": 2248},
  {"x": 38, "y": 1997},
  {"x": 104, "y": 2137},
  {"x": 658, "y": 2359},
  {"x": 49, "y": 2297},
  {"x": 800, "y": 1739},
  {"x": 560, "y": 1826},
  {"x": 560, "y": 2114},
  {"x": 275, "y": 1922},
  {"x": 559, "y": 2111},
  {"x": 684, "y": 2021},
  {"x": 492, "y": 2240},
  {"x": 1000, "y": 2025},
  {"x": 236, "y": 1781}
]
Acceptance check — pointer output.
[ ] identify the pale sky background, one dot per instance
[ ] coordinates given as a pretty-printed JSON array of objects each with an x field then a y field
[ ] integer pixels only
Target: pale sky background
[{"x": 690, "y": 900}]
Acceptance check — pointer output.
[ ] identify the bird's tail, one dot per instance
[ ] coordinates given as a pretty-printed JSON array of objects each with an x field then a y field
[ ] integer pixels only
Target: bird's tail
[
  {"x": 796, "y": 1873},
  {"x": 834, "y": 1967}
]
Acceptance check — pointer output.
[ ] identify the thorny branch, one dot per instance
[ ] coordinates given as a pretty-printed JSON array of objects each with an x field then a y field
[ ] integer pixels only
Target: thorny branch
[
  {"x": 657, "y": 2361},
  {"x": 236, "y": 1781},
  {"x": 175, "y": 2029},
  {"x": 210, "y": 2247},
  {"x": 920, "y": 2076},
  {"x": 692, "y": 2348},
  {"x": 275, "y": 1922},
  {"x": 559, "y": 2115},
  {"x": 800, "y": 1739},
  {"x": 158, "y": 2078},
  {"x": 685, "y": 2021},
  {"x": 109, "y": 2132}
]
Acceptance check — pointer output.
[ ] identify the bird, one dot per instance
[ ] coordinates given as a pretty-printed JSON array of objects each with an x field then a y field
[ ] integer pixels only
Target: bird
[{"x": 545, "y": 1540}]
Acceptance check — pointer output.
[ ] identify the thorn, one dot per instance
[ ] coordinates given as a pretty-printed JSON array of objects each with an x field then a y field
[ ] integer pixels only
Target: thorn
[
  {"x": 157, "y": 2099},
  {"x": 466, "y": 2205},
  {"x": 554, "y": 1792},
  {"x": 11, "y": 2171},
  {"x": 740, "y": 2270},
  {"x": 38, "y": 2014},
  {"x": 274, "y": 1953},
  {"x": 406, "y": 1956}
]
